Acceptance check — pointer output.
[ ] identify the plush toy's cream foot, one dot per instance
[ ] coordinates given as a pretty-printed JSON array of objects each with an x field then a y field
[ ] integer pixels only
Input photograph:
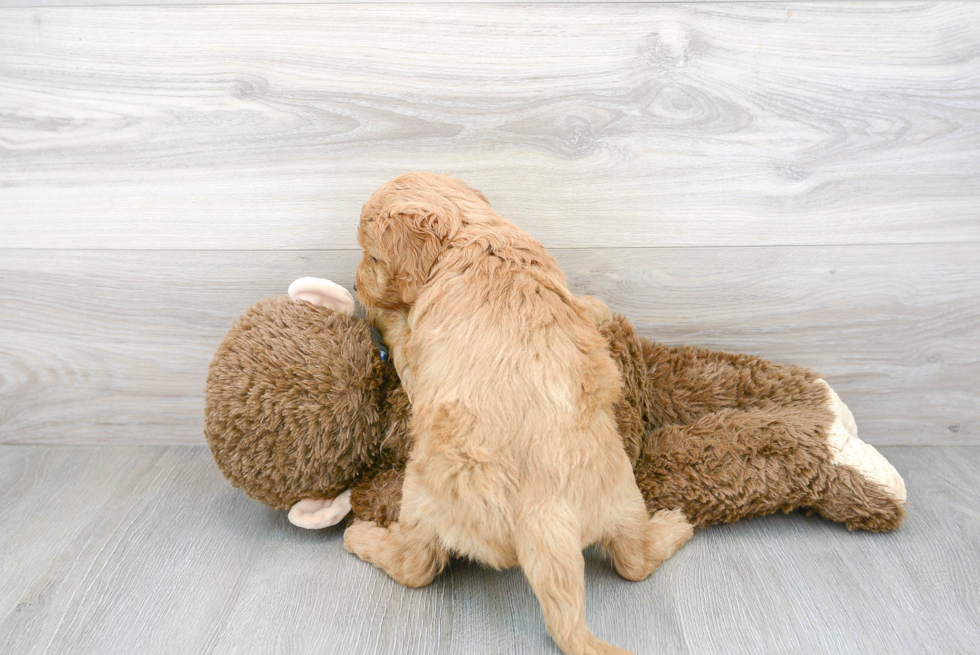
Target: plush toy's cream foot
[
  {"x": 848, "y": 449},
  {"x": 316, "y": 513},
  {"x": 323, "y": 293}
]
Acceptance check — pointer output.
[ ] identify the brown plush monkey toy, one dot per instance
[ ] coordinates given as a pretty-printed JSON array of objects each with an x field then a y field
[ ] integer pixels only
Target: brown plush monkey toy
[{"x": 304, "y": 413}]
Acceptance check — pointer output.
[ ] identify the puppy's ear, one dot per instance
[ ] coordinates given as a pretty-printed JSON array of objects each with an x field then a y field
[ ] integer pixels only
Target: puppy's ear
[{"x": 411, "y": 237}]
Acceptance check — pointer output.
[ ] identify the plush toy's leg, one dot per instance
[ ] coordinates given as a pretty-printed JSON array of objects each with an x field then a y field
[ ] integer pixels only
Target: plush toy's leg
[
  {"x": 316, "y": 513},
  {"x": 866, "y": 491},
  {"x": 410, "y": 555},
  {"x": 638, "y": 548},
  {"x": 551, "y": 557},
  {"x": 859, "y": 504},
  {"x": 734, "y": 464},
  {"x": 849, "y": 450}
]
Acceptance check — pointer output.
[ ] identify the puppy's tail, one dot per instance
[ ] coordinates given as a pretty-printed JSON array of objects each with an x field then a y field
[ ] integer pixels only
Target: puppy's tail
[{"x": 550, "y": 553}]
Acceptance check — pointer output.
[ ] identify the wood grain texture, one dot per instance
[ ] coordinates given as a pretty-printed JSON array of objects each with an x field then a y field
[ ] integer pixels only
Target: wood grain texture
[
  {"x": 129, "y": 3},
  {"x": 113, "y": 347},
  {"x": 123, "y": 550},
  {"x": 266, "y": 127}
]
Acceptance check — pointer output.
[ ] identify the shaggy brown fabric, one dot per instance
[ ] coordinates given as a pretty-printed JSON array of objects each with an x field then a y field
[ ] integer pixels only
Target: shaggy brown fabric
[
  {"x": 300, "y": 405},
  {"x": 378, "y": 497},
  {"x": 627, "y": 352},
  {"x": 284, "y": 422},
  {"x": 731, "y": 436}
]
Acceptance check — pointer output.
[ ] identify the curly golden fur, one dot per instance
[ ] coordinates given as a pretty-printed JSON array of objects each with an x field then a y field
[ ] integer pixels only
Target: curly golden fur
[{"x": 517, "y": 458}]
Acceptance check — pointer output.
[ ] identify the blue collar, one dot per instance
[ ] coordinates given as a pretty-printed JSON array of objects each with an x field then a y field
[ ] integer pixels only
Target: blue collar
[{"x": 379, "y": 344}]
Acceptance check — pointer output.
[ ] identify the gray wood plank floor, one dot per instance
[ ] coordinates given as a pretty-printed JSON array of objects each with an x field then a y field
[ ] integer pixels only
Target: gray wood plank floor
[{"x": 148, "y": 549}]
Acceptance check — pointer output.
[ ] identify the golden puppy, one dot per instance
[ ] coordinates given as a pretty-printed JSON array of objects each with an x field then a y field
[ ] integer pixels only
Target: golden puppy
[{"x": 517, "y": 459}]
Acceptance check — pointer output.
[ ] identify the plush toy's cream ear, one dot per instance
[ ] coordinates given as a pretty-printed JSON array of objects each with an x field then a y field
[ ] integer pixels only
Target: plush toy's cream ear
[
  {"x": 316, "y": 513},
  {"x": 323, "y": 293}
]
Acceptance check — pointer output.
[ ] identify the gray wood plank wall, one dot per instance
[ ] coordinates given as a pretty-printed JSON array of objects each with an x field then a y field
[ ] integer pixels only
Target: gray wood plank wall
[{"x": 797, "y": 180}]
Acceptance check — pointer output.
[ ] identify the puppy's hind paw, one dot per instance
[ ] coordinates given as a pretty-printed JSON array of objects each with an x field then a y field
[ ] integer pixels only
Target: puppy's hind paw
[
  {"x": 361, "y": 538},
  {"x": 671, "y": 530}
]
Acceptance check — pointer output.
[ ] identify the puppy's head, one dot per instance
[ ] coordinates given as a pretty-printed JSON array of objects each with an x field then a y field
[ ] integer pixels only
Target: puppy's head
[{"x": 404, "y": 227}]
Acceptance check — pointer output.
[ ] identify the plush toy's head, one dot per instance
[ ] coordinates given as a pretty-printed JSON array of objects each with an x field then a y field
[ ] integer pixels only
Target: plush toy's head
[{"x": 295, "y": 398}]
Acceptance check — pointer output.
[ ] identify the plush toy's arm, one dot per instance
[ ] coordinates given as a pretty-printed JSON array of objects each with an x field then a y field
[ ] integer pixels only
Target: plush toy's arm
[{"x": 379, "y": 498}]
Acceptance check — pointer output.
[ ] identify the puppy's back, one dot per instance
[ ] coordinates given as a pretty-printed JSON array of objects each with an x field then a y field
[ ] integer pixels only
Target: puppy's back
[{"x": 499, "y": 316}]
